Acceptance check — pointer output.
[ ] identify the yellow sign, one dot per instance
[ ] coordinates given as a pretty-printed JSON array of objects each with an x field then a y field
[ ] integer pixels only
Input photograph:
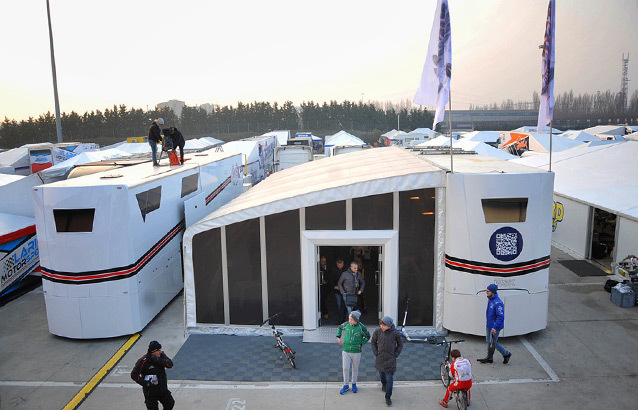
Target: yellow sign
[{"x": 557, "y": 215}]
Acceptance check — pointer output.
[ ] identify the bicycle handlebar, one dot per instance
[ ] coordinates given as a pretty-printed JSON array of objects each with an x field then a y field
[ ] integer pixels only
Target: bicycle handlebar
[{"x": 267, "y": 320}]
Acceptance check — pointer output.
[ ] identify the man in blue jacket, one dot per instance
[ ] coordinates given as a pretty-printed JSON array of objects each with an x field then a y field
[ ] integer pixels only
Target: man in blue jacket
[{"x": 495, "y": 315}]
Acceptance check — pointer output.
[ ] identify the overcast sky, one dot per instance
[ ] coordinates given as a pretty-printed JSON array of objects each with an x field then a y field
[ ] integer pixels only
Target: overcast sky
[{"x": 140, "y": 53}]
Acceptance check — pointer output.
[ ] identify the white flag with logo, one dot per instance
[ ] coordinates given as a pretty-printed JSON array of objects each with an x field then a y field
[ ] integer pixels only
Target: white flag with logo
[
  {"x": 437, "y": 69},
  {"x": 546, "y": 108}
]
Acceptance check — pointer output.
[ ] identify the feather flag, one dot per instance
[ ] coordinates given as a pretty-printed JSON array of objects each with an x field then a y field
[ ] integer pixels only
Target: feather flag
[
  {"x": 546, "y": 108},
  {"x": 434, "y": 88}
]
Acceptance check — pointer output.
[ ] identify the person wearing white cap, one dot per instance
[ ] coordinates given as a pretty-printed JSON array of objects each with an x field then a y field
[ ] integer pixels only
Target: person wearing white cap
[{"x": 155, "y": 137}]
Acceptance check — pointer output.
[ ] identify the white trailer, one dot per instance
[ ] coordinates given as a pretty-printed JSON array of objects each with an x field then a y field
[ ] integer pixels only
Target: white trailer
[
  {"x": 291, "y": 155},
  {"x": 110, "y": 242}
]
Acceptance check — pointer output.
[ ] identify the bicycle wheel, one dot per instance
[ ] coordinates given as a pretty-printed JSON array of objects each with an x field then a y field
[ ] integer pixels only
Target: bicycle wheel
[
  {"x": 291, "y": 359},
  {"x": 461, "y": 399},
  {"x": 445, "y": 374}
]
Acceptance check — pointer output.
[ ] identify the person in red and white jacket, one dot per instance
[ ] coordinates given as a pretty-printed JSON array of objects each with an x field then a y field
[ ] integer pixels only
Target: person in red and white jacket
[{"x": 461, "y": 371}]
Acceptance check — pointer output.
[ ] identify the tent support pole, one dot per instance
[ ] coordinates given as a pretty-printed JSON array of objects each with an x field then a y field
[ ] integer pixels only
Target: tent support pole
[
  {"x": 449, "y": 118},
  {"x": 550, "y": 146}
]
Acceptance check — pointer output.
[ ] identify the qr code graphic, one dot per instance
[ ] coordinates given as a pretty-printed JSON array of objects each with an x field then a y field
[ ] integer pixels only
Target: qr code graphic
[{"x": 506, "y": 244}]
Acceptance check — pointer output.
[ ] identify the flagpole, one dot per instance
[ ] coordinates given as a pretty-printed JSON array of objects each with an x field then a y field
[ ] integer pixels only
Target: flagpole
[
  {"x": 449, "y": 118},
  {"x": 550, "y": 146}
]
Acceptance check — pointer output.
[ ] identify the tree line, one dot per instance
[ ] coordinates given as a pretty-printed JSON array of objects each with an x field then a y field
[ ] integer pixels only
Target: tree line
[
  {"x": 116, "y": 124},
  {"x": 604, "y": 106}
]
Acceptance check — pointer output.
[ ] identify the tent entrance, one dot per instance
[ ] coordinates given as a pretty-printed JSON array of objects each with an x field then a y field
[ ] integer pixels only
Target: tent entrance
[
  {"x": 369, "y": 301},
  {"x": 603, "y": 239}
]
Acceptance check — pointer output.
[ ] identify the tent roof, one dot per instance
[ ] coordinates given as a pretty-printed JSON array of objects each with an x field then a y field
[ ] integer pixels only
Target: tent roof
[
  {"x": 479, "y": 164},
  {"x": 343, "y": 138},
  {"x": 88, "y": 157},
  {"x": 467, "y": 145},
  {"x": 422, "y": 131},
  {"x": 483, "y": 136},
  {"x": 392, "y": 134},
  {"x": 534, "y": 128},
  {"x": 606, "y": 129},
  {"x": 579, "y": 135},
  {"x": 356, "y": 174},
  {"x": 602, "y": 176}
]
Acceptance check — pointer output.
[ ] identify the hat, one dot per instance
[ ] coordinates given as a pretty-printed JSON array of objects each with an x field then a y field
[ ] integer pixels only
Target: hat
[
  {"x": 492, "y": 288},
  {"x": 356, "y": 315},
  {"x": 387, "y": 320},
  {"x": 153, "y": 346},
  {"x": 160, "y": 121}
]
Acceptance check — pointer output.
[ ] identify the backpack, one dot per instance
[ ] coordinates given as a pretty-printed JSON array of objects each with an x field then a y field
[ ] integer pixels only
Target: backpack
[
  {"x": 463, "y": 369},
  {"x": 610, "y": 284}
]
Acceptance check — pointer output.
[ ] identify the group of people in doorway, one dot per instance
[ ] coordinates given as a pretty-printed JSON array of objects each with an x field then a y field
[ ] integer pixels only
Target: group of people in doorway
[
  {"x": 386, "y": 343},
  {"x": 346, "y": 283},
  {"x": 172, "y": 140}
]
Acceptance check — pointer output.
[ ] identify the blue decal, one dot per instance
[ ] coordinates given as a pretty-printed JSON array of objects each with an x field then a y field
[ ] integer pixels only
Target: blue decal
[{"x": 506, "y": 244}]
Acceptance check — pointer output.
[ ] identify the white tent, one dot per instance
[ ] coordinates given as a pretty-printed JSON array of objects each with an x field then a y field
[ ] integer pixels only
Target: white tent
[
  {"x": 479, "y": 147},
  {"x": 392, "y": 134},
  {"x": 282, "y": 136},
  {"x": 601, "y": 177},
  {"x": 341, "y": 138},
  {"x": 62, "y": 169},
  {"x": 534, "y": 128},
  {"x": 517, "y": 143},
  {"x": 606, "y": 130},
  {"x": 579, "y": 135},
  {"x": 482, "y": 136}
]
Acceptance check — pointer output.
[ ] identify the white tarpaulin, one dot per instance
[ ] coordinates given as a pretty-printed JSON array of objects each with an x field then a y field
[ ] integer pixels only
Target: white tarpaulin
[{"x": 603, "y": 176}]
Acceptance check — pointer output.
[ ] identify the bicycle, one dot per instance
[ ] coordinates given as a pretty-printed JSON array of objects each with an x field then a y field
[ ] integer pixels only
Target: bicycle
[
  {"x": 281, "y": 344},
  {"x": 460, "y": 396}
]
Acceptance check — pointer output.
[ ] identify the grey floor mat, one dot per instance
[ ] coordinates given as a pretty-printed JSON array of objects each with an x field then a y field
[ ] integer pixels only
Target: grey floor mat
[
  {"x": 254, "y": 359},
  {"x": 582, "y": 267}
]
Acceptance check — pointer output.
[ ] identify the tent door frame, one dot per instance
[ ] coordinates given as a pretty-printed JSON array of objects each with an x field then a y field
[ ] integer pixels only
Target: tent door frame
[{"x": 310, "y": 240}]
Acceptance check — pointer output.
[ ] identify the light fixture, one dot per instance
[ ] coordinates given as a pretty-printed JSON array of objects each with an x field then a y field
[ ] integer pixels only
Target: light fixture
[
  {"x": 427, "y": 213},
  {"x": 415, "y": 197}
]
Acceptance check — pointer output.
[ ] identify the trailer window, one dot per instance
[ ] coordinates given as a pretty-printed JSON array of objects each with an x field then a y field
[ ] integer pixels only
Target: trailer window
[
  {"x": 504, "y": 210},
  {"x": 149, "y": 201},
  {"x": 74, "y": 220},
  {"x": 189, "y": 184}
]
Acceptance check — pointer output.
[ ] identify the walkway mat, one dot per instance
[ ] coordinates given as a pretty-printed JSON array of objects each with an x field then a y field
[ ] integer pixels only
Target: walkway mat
[
  {"x": 254, "y": 359},
  {"x": 582, "y": 267}
]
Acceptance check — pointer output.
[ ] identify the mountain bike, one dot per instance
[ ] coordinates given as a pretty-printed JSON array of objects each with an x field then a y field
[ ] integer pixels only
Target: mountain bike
[
  {"x": 460, "y": 396},
  {"x": 281, "y": 344}
]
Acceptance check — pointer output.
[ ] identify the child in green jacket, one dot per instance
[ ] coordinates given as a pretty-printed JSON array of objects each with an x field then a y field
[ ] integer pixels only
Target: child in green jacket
[{"x": 355, "y": 335}]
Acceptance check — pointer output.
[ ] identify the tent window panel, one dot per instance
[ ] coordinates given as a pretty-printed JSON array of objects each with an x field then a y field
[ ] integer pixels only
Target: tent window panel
[
  {"x": 416, "y": 254},
  {"x": 504, "y": 210},
  {"x": 283, "y": 253},
  {"x": 372, "y": 212},
  {"x": 330, "y": 216},
  {"x": 189, "y": 184},
  {"x": 207, "y": 273},
  {"x": 74, "y": 220},
  {"x": 149, "y": 201},
  {"x": 244, "y": 272}
]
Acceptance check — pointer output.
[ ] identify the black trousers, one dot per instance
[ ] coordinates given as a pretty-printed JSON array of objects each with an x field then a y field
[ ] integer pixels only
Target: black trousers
[{"x": 167, "y": 402}]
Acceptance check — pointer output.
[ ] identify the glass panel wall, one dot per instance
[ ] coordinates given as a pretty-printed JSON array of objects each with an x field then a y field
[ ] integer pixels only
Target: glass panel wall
[
  {"x": 283, "y": 255},
  {"x": 372, "y": 212},
  {"x": 244, "y": 272},
  {"x": 207, "y": 272},
  {"x": 416, "y": 255},
  {"x": 330, "y": 216}
]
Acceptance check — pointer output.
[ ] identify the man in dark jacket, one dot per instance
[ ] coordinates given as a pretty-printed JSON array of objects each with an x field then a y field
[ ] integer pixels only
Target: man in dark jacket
[
  {"x": 387, "y": 345},
  {"x": 155, "y": 137},
  {"x": 351, "y": 283},
  {"x": 178, "y": 141},
  {"x": 333, "y": 282},
  {"x": 495, "y": 321},
  {"x": 149, "y": 372}
]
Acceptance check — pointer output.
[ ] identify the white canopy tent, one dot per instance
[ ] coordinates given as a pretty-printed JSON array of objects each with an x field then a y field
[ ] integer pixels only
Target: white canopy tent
[
  {"x": 601, "y": 177},
  {"x": 342, "y": 138}
]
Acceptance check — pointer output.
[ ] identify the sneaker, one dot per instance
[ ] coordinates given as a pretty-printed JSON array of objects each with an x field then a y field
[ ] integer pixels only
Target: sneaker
[
  {"x": 354, "y": 388},
  {"x": 344, "y": 389},
  {"x": 486, "y": 360},
  {"x": 388, "y": 401},
  {"x": 442, "y": 403},
  {"x": 383, "y": 387},
  {"x": 506, "y": 359}
]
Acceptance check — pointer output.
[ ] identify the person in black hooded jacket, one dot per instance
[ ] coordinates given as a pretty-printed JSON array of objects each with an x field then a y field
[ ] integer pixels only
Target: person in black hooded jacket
[{"x": 149, "y": 372}]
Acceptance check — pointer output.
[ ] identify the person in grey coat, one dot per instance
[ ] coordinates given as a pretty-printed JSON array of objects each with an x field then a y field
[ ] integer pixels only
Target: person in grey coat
[
  {"x": 351, "y": 283},
  {"x": 387, "y": 345}
]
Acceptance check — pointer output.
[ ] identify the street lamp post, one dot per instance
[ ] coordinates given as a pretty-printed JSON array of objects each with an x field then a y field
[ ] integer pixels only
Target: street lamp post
[{"x": 58, "y": 120}]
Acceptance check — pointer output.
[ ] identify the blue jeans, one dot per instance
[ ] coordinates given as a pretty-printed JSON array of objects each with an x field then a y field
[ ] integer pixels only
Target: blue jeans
[
  {"x": 388, "y": 380},
  {"x": 340, "y": 304},
  {"x": 153, "y": 145},
  {"x": 500, "y": 348}
]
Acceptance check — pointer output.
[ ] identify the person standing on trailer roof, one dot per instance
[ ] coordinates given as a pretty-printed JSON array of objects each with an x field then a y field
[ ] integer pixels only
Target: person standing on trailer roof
[{"x": 155, "y": 137}]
